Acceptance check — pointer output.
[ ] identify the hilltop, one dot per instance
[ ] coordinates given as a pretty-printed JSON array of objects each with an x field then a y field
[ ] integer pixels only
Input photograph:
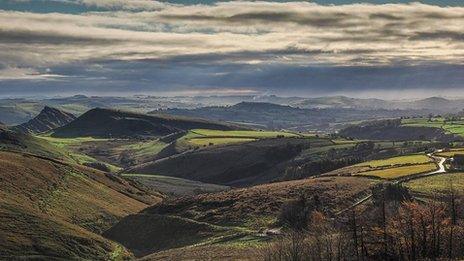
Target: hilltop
[
  {"x": 109, "y": 123},
  {"x": 277, "y": 116},
  {"x": 48, "y": 119},
  {"x": 63, "y": 207}
]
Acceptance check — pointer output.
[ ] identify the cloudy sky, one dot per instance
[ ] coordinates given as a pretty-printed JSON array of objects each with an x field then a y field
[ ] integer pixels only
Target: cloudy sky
[{"x": 376, "y": 48}]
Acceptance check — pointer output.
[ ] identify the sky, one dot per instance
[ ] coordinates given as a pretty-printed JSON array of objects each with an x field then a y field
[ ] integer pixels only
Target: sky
[{"x": 378, "y": 48}]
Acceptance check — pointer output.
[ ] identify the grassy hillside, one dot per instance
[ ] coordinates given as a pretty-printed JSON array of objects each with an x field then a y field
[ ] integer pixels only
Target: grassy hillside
[
  {"x": 397, "y": 130},
  {"x": 390, "y": 168},
  {"x": 106, "y": 123},
  {"x": 13, "y": 141},
  {"x": 236, "y": 164},
  {"x": 452, "y": 126},
  {"x": 174, "y": 186},
  {"x": 63, "y": 207},
  {"x": 233, "y": 217},
  {"x": 438, "y": 183},
  {"x": 206, "y": 137}
]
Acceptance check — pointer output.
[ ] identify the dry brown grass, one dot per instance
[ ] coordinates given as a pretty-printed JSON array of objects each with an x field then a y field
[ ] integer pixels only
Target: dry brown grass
[
  {"x": 57, "y": 209},
  {"x": 235, "y": 207}
]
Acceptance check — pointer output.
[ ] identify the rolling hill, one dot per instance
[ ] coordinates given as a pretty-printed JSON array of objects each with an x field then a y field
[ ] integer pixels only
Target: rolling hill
[
  {"x": 394, "y": 130},
  {"x": 48, "y": 119},
  {"x": 20, "y": 142},
  {"x": 234, "y": 214},
  {"x": 54, "y": 210},
  {"x": 275, "y": 116},
  {"x": 109, "y": 123},
  {"x": 243, "y": 164}
]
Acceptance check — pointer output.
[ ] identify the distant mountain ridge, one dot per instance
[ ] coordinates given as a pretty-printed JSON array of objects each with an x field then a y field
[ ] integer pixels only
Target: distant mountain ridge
[
  {"x": 277, "y": 116},
  {"x": 48, "y": 119},
  {"x": 110, "y": 123}
]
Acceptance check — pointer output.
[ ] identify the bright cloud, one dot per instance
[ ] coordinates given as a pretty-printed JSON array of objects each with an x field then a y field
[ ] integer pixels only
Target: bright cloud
[{"x": 253, "y": 33}]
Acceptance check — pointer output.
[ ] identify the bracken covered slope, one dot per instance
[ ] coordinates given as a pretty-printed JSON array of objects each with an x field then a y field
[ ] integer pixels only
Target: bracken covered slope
[
  {"x": 50, "y": 209},
  {"x": 215, "y": 215}
]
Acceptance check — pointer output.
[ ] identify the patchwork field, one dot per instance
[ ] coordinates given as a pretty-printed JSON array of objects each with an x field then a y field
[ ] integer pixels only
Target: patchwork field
[
  {"x": 401, "y": 160},
  {"x": 438, "y": 183},
  {"x": 399, "y": 172},
  {"x": 390, "y": 168},
  {"x": 453, "y": 127},
  {"x": 205, "y": 137}
]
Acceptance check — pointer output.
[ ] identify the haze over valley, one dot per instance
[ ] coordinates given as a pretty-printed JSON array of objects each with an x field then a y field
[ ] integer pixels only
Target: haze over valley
[{"x": 231, "y": 130}]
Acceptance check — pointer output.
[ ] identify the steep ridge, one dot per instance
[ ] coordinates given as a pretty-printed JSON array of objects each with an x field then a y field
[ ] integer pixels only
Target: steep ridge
[
  {"x": 115, "y": 123},
  {"x": 53, "y": 210},
  {"x": 48, "y": 119}
]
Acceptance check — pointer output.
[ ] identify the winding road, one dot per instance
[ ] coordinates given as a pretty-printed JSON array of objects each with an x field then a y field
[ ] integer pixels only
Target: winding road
[{"x": 441, "y": 169}]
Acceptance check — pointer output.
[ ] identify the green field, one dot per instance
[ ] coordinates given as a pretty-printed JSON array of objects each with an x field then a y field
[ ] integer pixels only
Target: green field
[
  {"x": 145, "y": 148},
  {"x": 399, "y": 172},
  {"x": 242, "y": 134},
  {"x": 453, "y": 127},
  {"x": 205, "y": 137},
  {"x": 65, "y": 146},
  {"x": 401, "y": 160},
  {"x": 438, "y": 183},
  {"x": 451, "y": 153},
  {"x": 65, "y": 142}
]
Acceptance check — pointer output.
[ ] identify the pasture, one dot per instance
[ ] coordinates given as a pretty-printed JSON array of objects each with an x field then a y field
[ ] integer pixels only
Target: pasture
[
  {"x": 452, "y": 127},
  {"x": 438, "y": 183},
  {"x": 399, "y": 172},
  {"x": 206, "y": 137}
]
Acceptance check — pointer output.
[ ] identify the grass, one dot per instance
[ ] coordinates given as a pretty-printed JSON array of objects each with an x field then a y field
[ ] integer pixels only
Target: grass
[
  {"x": 438, "y": 183},
  {"x": 65, "y": 146},
  {"x": 218, "y": 141},
  {"x": 399, "y": 172},
  {"x": 206, "y": 137},
  {"x": 241, "y": 133},
  {"x": 174, "y": 186},
  {"x": 62, "y": 208},
  {"x": 145, "y": 148},
  {"x": 65, "y": 142},
  {"x": 401, "y": 160},
  {"x": 451, "y": 153},
  {"x": 453, "y": 127}
]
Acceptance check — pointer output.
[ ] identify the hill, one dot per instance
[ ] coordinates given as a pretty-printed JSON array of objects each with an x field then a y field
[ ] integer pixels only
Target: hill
[
  {"x": 48, "y": 119},
  {"x": 20, "y": 142},
  {"x": 236, "y": 164},
  {"x": 115, "y": 123},
  {"x": 53, "y": 210},
  {"x": 275, "y": 116},
  {"x": 229, "y": 215},
  {"x": 394, "y": 130}
]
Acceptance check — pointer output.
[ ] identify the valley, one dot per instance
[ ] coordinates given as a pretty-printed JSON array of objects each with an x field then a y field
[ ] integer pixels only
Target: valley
[
  {"x": 206, "y": 130},
  {"x": 143, "y": 186}
]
